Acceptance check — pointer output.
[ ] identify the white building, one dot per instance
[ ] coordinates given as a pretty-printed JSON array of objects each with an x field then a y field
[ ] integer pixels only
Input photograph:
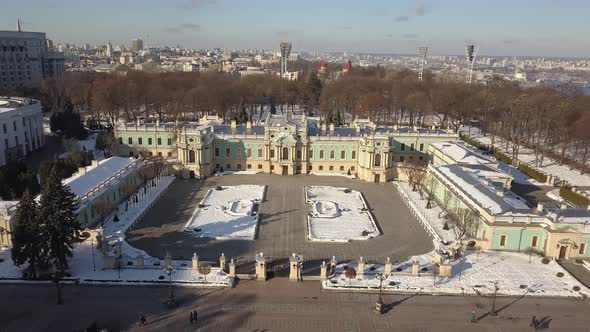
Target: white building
[
  {"x": 26, "y": 60},
  {"x": 21, "y": 128}
]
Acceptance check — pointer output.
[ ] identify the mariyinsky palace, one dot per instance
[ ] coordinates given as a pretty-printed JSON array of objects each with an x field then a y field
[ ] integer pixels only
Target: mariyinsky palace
[{"x": 285, "y": 144}]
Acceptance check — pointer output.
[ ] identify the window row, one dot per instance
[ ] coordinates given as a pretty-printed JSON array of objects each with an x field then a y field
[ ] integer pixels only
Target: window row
[{"x": 149, "y": 141}]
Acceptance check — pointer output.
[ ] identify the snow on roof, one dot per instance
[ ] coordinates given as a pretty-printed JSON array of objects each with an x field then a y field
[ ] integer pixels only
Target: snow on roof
[
  {"x": 570, "y": 216},
  {"x": 7, "y": 207},
  {"x": 81, "y": 184},
  {"x": 462, "y": 153},
  {"x": 484, "y": 195}
]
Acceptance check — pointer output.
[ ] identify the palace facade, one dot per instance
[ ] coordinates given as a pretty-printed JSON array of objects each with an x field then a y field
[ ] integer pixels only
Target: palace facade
[{"x": 282, "y": 144}]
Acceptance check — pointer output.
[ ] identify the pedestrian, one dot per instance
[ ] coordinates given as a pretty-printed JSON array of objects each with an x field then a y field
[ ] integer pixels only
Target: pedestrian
[
  {"x": 195, "y": 316},
  {"x": 142, "y": 320},
  {"x": 473, "y": 318},
  {"x": 192, "y": 317},
  {"x": 534, "y": 323}
]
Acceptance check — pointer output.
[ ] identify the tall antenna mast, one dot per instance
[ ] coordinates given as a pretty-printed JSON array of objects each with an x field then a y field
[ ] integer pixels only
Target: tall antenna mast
[
  {"x": 471, "y": 52},
  {"x": 422, "y": 51},
  {"x": 18, "y": 27}
]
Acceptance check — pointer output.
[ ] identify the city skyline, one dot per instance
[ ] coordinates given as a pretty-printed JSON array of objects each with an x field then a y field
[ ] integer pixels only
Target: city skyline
[{"x": 529, "y": 28}]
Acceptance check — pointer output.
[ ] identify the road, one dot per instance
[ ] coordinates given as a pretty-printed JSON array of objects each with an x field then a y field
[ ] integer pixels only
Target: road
[{"x": 275, "y": 305}]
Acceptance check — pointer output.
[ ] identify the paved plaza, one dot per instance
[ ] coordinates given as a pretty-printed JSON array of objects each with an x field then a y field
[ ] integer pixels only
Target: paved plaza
[
  {"x": 282, "y": 229},
  {"x": 276, "y": 305}
]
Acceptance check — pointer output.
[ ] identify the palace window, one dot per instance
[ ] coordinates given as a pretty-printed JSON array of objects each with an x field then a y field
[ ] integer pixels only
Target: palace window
[
  {"x": 582, "y": 248},
  {"x": 332, "y": 153},
  {"x": 140, "y": 141},
  {"x": 353, "y": 154},
  {"x": 331, "y": 168},
  {"x": 403, "y": 147},
  {"x": 299, "y": 154},
  {"x": 272, "y": 153},
  {"x": 352, "y": 169},
  {"x": 239, "y": 166},
  {"x": 159, "y": 141},
  {"x": 378, "y": 159},
  {"x": 341, "y": 168},
  {"x": 130, "y": 140},
  {"x": 149, "y": 141},
  {"x": 120, "y": 140},
  {"x": 285, "y": 153},
  {"x": 343, "y": 154},
  {"x": 259, "y": 166},
  {"x": 170, "y": 141},
  {"x": 169, "y": 154},
  {"x": 321, "y": 168},
  {"x": 310, "y": 168},
  {"x": 534, "y": 241},
  {"x": 216, "y": 152},
  {"x": 322, "y": 154},
  {"x": 421, "y": 146},
  {"x": 260, "y": 153},
  {"x": 249, "y": 166},
  {"x": 311, "y": 154},
  {"x": 228, "y": 166},
  {"x": 412, "y": 147},
  {"x": 227, "y": 151},
  {"x": 401, "y": 159},
  {"x": 249, "y": 152},
  {"x": 191, "y": 157},
  {"x": 503, "y": 238}
]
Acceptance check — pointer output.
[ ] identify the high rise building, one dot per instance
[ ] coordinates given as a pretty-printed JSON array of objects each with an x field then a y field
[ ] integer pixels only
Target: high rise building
[
  {"x": 21, "y": 128},
  {"x": 136, "y": 45},
  {"x": 25, "y": 59}
]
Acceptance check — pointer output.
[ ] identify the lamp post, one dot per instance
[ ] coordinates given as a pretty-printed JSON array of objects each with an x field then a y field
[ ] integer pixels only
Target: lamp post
[
  {"x": 169, "y": 271},
  {"x": 56, "y": 277},
  {"x": 379, "y": 304},
  {"x": 493, "y": 310},
  {"x": 92, "y": 247}
]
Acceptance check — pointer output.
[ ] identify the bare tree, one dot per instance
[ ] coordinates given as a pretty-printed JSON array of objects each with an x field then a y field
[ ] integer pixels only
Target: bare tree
[{"x": 462, "y": 222}]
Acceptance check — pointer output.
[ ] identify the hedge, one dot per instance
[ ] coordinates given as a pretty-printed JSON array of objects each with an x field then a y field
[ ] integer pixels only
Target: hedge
[
  {"x": 502, "y": 157},
  {"x": 533, "y": 173},
  {"x": 568, "y": 194},
  {"x": 473, "y": 142}
]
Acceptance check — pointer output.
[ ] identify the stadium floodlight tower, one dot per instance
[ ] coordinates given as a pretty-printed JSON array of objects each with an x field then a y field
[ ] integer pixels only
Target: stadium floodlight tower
[
  {"x": 422, "y": 52},
  {"x": 471, "y": 52},
  {"x": 285, "y": 48}
]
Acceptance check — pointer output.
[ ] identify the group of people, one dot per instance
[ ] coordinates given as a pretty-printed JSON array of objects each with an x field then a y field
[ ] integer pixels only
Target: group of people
[{"x": 193, "y": 318}]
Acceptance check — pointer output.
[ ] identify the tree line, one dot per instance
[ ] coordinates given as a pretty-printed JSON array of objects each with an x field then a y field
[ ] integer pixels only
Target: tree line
[{"x": 549, "y": 121}]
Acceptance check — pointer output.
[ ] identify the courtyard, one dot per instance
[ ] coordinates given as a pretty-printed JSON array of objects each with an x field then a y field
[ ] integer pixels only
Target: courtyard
[{"x": 282, "y": 226}]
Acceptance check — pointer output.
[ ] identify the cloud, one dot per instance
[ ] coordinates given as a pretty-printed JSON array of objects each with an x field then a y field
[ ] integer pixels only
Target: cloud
[
  {"x": 197, "y": 3},
  {"x": 285, "y": 34},
  {"x": 389, "y": 35},
  {"x": 182, "y": 28},
  {"x": 402, "y": 18},
  {"x": 410, "y": 35},
  {"x": 422, "y": 9},
  {"x": 190, "y": 26}
]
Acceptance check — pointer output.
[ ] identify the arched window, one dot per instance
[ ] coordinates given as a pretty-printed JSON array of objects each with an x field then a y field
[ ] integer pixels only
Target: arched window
[
  {"x": 285, "y": 153},
  {"x": 191, "y": 156},
  {"x": 378, "y": 160}
]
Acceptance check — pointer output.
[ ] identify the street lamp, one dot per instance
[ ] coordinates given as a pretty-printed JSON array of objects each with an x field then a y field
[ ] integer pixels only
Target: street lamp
[
  {"x": 496, "y": 288},
  {"x": 422, "y": 51},
  {"x": 169, "y": 271},
  {"x": 379, "y": 304},
  {"x": 56, "y": 277}
]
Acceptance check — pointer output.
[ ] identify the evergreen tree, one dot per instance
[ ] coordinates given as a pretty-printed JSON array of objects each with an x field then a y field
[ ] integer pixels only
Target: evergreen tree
[
  {"x": 57, "y": 208},
  {"x": 29, "y": 244}
]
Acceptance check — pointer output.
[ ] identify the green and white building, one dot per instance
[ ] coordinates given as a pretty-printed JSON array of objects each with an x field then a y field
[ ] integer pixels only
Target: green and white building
[
  {"x": 283, "y": 144},
  {"x": 463, "y": 178}
]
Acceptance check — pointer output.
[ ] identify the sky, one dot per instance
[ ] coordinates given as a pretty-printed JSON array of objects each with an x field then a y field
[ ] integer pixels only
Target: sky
[{"x": 500, "y": 27}]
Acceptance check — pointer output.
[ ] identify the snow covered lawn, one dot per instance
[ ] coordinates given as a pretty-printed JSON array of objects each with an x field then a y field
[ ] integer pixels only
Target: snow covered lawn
[
  {"x": 338, "y": 215},
  {"x": 237, "y": 173},
  {"x": 550, "y": 166},
  {"x": 472, "y": 275},
  {"x": 333, "y": 174},
  {"x": 87, "y": 263},
  {"x": 228, "y": 213},
  {"x": 84, "y": 271}
]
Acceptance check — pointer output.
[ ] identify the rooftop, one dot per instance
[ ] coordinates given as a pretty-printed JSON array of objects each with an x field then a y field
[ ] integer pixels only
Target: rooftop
[
  {"x": 463, "y": 153},
  {"x": 82, "y": 184}
]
